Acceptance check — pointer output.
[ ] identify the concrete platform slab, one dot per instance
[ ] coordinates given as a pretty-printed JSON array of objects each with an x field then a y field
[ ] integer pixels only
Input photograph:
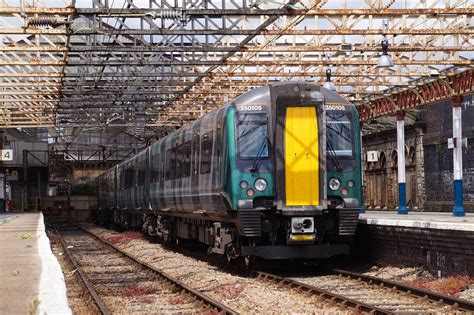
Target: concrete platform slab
[
  {"x": 31, "y": 280},
  {"x": 427, "y": 220}
]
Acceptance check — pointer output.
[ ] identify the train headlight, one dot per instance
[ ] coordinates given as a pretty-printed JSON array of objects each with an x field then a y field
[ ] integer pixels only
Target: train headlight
[
  {"x": 260, "y": 184},
  {"x": 350, "y": 183},
  {"x": 334, "y": 184},
  {"x": 243, "y": 184}
]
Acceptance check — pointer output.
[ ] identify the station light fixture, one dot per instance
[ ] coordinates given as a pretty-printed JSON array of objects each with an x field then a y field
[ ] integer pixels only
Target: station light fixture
[
  {"x": 434, "y": 73},
  {"x": 328, "y": 84},
  {"x": 385, "y": 61}
]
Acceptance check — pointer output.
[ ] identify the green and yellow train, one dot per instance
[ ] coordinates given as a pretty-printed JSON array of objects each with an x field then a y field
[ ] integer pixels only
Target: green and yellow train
[{"x": 275, "y": 173}]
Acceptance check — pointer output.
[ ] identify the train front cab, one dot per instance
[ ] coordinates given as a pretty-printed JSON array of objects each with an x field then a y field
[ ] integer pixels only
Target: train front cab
[{"x": 294, "y": 216}]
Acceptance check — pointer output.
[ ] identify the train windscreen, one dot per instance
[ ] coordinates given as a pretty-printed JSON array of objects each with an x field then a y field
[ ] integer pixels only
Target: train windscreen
[
  {"x": 252, "y": 133},
  {"x": 339, "y": 133}
]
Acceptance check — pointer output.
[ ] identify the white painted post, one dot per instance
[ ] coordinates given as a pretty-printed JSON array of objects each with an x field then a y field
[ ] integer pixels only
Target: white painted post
[
  {"x": 362, "y": 161},
  {"x": 458, "y": 210},
  {"x": 402, "y": 203}
]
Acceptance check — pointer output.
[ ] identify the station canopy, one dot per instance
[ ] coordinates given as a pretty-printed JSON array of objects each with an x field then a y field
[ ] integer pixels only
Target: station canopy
[{"x": 145, "y": 67}]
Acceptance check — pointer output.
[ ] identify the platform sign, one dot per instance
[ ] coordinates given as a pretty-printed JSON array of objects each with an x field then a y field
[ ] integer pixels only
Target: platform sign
[
  {"x": 7, "y": 155},
  {"x": 453, "y": 143},
  {"x": 372, "y": 156}
]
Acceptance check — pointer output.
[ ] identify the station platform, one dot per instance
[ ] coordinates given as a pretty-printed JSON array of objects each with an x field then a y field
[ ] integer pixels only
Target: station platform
[
  {"x": 427, "y": 220},
  {"x": 31, "y": 280},
  {"x": 438, "y": 241}
]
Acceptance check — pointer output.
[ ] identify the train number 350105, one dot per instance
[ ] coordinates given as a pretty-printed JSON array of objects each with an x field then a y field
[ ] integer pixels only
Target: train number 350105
[{"x": 245, "y": 108}]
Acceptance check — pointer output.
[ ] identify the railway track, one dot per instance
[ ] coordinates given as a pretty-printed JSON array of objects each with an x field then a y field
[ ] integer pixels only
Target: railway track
[
  {"x": 121, "y": 283},
  {"x": 356, "y": 292},
  {"x": 460, "y": 304},
  {"x": 388, "y": 296}
]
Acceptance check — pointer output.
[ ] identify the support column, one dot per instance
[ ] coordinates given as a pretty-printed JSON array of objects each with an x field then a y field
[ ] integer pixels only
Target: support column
[
  {"x": 458, "y": 210},
  {"x": 362, "y": 175},
  {"x": 402, "y": 199}
]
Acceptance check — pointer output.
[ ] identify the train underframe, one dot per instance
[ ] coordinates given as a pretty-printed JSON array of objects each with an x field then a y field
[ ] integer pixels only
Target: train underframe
[{"x": 252, "y": 233}]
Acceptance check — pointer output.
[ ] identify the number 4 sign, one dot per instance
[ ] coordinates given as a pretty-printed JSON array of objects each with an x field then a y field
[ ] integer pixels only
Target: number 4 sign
[{"x": 7, "y": 155}]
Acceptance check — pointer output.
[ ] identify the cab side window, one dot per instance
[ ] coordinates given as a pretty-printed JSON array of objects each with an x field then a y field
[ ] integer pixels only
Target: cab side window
[
  {"x": 206, "y": 152},
  {"x": 195, "y": 154}
]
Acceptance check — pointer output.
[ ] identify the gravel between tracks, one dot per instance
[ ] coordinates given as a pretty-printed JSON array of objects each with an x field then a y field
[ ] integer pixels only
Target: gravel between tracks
[
  {"x": 385, "y": 298},
  {"x": 459, "y": 286},
  {"x": 123, "y": 285},
  {"x": 247, "y": 295}
]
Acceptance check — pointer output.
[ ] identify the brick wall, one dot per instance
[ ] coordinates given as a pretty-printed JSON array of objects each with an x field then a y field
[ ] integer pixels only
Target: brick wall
[
  {"x": 438, "y": 158},
  {"x": 431, "y": 180},
  {"x": 380, "y": 179}
]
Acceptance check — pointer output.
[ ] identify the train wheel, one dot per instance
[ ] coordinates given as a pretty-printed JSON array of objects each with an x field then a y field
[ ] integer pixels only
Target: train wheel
[
  {"x": 250, "y": 261},
  {"x": 231, "y": 254}
]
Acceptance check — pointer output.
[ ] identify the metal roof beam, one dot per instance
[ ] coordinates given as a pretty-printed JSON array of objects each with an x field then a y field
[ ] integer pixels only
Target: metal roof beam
[
  {"x": 231, "y": 32},
  {"x": 381, "y": 12}
]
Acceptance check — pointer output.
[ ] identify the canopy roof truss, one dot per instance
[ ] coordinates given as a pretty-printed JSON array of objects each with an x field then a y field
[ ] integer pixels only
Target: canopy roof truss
[{"x": 147, "y": 66}]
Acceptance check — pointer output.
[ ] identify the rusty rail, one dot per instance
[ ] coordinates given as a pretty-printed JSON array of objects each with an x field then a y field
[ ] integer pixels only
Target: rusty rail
[
  {"x": 93, "y": 293},
  {"x": 462, "y": 305}
]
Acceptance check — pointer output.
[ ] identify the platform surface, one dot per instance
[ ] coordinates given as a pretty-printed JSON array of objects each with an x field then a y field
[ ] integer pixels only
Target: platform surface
[
  {"x": 428, "y": 220},
  {"x": 31, "y": 279}
]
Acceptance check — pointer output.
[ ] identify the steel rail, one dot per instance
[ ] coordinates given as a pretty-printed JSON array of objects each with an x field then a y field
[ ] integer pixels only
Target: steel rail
[
  {"x": 221, "y": 308},
  {"x": 93, "y": 293},
  {"x": 462, "y": 305}
]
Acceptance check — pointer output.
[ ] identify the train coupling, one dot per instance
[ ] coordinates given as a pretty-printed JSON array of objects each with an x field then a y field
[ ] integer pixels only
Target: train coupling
[{"x": 301, "y": 231}]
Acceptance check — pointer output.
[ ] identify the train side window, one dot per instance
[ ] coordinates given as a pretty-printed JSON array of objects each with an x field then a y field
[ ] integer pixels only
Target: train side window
[
  {"x": 167, "y": 162},
  {"x": 164, "y": 162},
  {"x": 185, "y": 159},
  {"x": 195, "y": 154},
  {"x": 206, "y": 152},
  {"x": 162, "y": 173},
  {"x": 141, "y": 173},
  {"x": 179, "y": 161},
  {"x": 217, "y": 146},
  {"x": 132, "y": 176},
  {"x": 129, "y": 177},
  {"x": 171, "y": 164},
  {"x": 120, "y": 178},
  {"x": 125, "y": 178},
  {"x": 155, "y": 168}
]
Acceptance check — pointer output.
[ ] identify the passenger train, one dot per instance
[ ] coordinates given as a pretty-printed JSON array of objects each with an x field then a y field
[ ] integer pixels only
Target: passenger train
[{"x": 274, "y": 173}]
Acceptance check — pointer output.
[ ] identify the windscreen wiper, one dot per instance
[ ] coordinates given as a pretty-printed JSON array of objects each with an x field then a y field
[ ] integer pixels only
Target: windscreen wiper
[
  {"x": 258, "y": 157},
  {"x": 333, "y": 155}
]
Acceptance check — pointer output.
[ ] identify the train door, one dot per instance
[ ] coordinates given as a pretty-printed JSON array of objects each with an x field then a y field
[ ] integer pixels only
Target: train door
[
  {"x": 301, "y": 143},
  {"x": 299, "y": 137}
]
